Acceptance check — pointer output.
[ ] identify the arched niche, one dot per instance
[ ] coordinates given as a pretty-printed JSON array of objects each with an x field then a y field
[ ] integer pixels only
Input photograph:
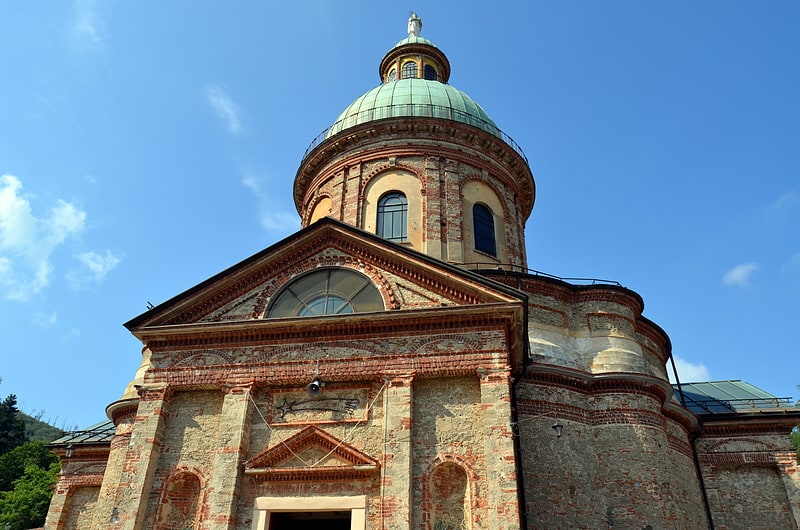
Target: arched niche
[{"x": 408, "y": 184}]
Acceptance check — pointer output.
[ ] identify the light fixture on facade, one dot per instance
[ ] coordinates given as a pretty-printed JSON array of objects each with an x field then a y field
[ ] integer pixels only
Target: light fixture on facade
[
  {"x": 315, "y": 386},
  {"x": 558, "y": 428}
]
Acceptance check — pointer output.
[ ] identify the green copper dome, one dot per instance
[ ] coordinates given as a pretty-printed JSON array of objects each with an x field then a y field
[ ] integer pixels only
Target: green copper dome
[
  {"x": 414, "y": 39},
  {"x": 414, "y": 97}
]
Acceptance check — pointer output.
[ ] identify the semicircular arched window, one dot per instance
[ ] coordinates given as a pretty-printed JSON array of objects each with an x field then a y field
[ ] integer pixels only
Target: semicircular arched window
[
  {"x": 329, "y": 291},
  {"x": 409, "y": 70},
  {"x": 393, "y": 216},
  {"x": 392, "y": 75},
  {"x": 430, "y": 73},
  {"x": 483, "y": 221}
]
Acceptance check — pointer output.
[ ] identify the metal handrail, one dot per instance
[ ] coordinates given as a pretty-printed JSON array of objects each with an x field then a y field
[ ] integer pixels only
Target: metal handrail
[
  {"x": 508, "y": 267},
  {"x": 421, "y": 110},
  {"x": 735, "y": 404}
]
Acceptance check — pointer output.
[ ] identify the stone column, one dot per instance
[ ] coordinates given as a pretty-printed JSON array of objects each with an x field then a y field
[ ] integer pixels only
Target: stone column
[
  {"x": 136, "y": 480},
  {"x": 498, "y": 439},
  {"x": 396, "y": 469},
  {"x": 226, "y": 473}
]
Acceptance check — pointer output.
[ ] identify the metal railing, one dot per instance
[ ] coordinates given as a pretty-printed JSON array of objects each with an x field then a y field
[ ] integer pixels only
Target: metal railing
[
  {"x": 717, "y": 406},
  {"x": 412, "y": 110},
  {"x": 508, "y": 267}
]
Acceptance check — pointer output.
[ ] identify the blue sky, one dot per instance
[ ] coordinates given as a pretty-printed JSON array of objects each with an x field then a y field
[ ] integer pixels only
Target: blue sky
[{"x": 147, "y": 145}]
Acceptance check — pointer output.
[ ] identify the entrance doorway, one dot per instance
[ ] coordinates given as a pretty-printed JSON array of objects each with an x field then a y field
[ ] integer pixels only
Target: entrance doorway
[{"x": 310, "y": 520}]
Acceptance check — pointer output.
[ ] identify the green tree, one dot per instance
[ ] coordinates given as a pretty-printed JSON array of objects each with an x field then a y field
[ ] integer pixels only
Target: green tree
[
  {"x": 12, "y": 425},
  {"x": 14, "y": 463},
  {"x": 26, "y": 505}
]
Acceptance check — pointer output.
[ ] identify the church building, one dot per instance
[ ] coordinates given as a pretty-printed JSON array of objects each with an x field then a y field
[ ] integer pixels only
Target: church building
[{"x": 396, "y": 365}]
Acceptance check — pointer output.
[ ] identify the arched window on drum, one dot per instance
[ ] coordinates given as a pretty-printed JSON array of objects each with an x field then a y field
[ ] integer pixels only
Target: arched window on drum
[
  {"x": 483, "y": 220},
  {"x": 392, "y": 223}
]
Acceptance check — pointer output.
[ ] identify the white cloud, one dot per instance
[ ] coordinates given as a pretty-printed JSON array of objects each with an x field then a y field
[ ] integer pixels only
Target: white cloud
[
  {"x": 27, "y": 242},
  {"x": 46, "y": 321},
  {"x": 272, "y": 218},
  {"x": 94, "y": 268},
  {"x": 740, "y": 274},
  {"x": 787, "y": 199},
  {"x": 88, "y": 26},
  {"x": 226, "y": 109},
  {"x": 688, "y": 372}
]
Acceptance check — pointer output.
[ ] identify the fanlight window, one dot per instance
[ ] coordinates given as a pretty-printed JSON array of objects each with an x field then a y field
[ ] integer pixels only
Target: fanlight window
[
  {"x": 410, "y": 70},
  {"x": 393, "y": 216},
  {"x": 392, "y": 75},
  {"x": 329, "y": 291},
  {"x": 483, "y": 221}
]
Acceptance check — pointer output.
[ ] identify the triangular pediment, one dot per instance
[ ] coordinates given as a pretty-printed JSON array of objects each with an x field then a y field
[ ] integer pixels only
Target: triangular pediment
[
  {"x": 311, "y": 454},
  {"x": 406, "y": 279}
]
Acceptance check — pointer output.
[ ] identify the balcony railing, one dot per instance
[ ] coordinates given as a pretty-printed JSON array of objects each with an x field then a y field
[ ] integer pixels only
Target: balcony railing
[{"x": 413, "y": 110}]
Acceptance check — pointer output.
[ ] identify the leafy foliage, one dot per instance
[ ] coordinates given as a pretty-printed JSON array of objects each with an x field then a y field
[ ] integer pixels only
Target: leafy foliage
[
  {"x": 12, "y": 425},
  {"x": 28, "y": 470},
  {"x": 26, "y": 505},
  {"x": 14, "y": 463}
]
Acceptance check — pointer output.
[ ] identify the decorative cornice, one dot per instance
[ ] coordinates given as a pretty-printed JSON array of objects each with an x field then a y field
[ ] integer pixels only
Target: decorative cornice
[{"x": 313, "y": 329}]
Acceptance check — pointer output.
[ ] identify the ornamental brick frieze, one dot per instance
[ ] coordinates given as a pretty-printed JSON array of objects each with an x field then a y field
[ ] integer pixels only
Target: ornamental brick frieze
[
  {"x": 301, "y": 372},
  {"x": 748, "y": 426},
  {"x": 358, "y": 326},
  {"x": 473, "y": 342},
  {"x": 590, "y": 415}
]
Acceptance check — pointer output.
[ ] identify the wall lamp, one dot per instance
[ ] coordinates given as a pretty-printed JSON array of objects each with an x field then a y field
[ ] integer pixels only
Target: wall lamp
[{"x": 558, "y": 428}]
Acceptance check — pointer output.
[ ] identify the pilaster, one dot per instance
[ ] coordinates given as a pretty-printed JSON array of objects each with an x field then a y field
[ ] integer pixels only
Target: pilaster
[
  {"x": 141, "y": 459},
  {"x": 501, "y": 475},
  {"x": 397, "y": 471},
  {"x": 453, "y": 235},
  {"x": 233, "y": 440}
]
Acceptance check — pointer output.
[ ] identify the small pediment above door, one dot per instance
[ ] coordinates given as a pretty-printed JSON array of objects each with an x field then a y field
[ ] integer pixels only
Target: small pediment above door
[{"x": 311, "y": 454}]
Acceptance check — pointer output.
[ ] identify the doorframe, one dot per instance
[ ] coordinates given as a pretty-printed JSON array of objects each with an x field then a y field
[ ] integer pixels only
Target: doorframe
[{"x": 264, "y": 506}]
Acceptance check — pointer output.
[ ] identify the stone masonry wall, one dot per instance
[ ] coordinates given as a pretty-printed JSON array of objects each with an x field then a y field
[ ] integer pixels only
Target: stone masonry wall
[
  {"x": 751, "y": 478},
  {"x": 448, "y": 428},
  {"x": 613, "y": 465},
  {"x": 191, "y": 438}
]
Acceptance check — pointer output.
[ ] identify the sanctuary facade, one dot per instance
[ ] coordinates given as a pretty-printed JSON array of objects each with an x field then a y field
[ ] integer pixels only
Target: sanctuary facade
[{"x": 396, "y": 365}]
